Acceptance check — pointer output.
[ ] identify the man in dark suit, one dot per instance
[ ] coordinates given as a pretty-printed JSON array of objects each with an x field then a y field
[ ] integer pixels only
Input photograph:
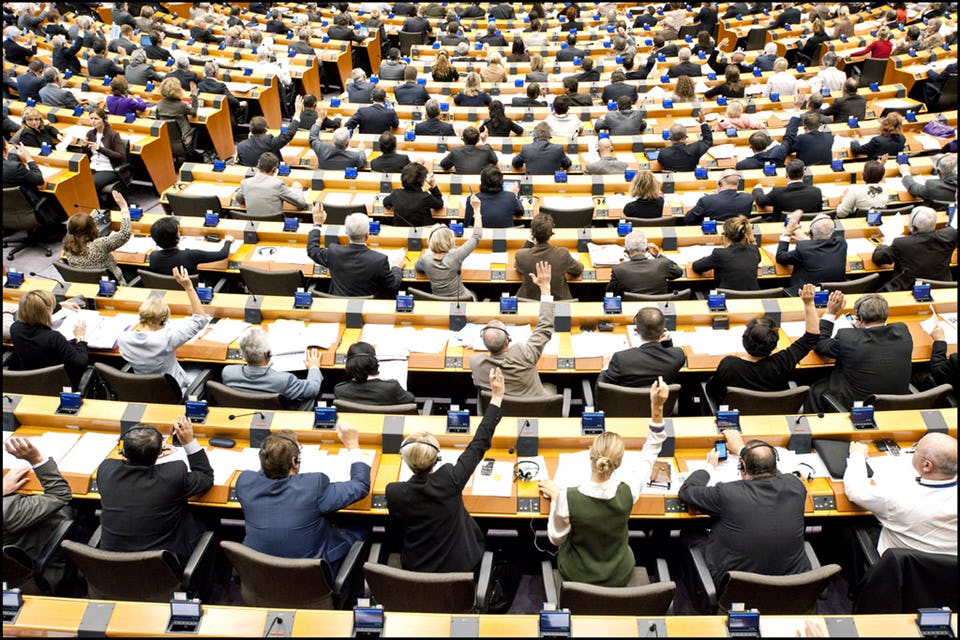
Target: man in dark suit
[
  {"x": 336, "y": 154},
  {"x": 684, "y": 67},
  {"x": 453, "y": 37},
  {"x": 355, "y": 269},
  {"x": 30, "y": 83},
  {"x": 727, "y": 202},
  {"x": 571, "y": 51},
  {"x": 98, "y": 65},
  {"x": 849, "y": 104},
  {"x": 588, "y": 73},
  {"x": 13, "y": 51},
  {"x": 259, "y": 142},
  {"x": 869, "y": 357},
  {"x": 389, "y": 161},
  {"x": 145, "y": 504},
  {"x": 818, "y": 257},
  {"x": 737, "y": 58},
  {"x": 760, "y": 144},
  {"x": 618, "y": 87},
  {"x": 210, "y": 84},
  {"x": 285, "y": 511},
  {"x": 941, "y": 189},
  {"x": 680, "y": 156},
  {"x": 502, "y": 11},
  {"x": 470, "y": 158},
  {"x": 491, "y": 37},
  {"x": 203, "y": 33},
  {"x": 570, "y": 88},
  {"x": 541, "y": 157},
  {"x": 766, "y": 59},
  {"x": 376, "y": 118},
  {"x": 646, "y": 271},
  {"x": 789, "y": 15},
  {"x": 758, "y": 520},
  {"x": 342, "y": 30},
  {"x": 796, "y": 195},
  {"x": 359, "y": 89},
  {"x": 623, "y": 121},
  {"x": 646, "y": 18},
  {"x": 155, "y": 50},
  {"x": 531, "y": 99},
  {"x": 656, "y": 356},
  {"x": 21, "y": 170},
  {"x": 662, "y": 48},
  {"x": 433, "y": 125},
  {"x": 538, "y": 250},
  {"x": 53, "y": 94},
  {"x": 924, "y": 253},
  {"x": 418, "y": 24},
  {"x": 409, "y": 92},
  {"x": 813, "y": 146}
]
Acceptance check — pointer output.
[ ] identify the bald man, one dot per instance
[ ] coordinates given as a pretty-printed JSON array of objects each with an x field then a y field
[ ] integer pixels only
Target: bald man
[
  {"x": 919, "y": 515},
  {"x": 608, "y": 163}
]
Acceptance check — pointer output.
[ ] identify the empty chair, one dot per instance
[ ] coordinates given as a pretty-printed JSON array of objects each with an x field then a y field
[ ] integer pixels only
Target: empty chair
[
  {"x": 147, "y": 387},
  {"x": 918, "y": 400},
  {"x": 408, "y": 39},
  {"x": 263, "y": 282},
  {"x": 625, "y": 402},
  {"x": 243, "y": 215},
  {"x": 19, "y": 215},
  {"x": 555, "y": 405},
  {"x": 182, "y": 204},
  {"x": 640, "y": 597},
  {"x": 401, "y": 590},
  {"x": 665, "y": 221},
  {"x": 682, "y": 294},
  {"x": 419, "y": 294},
  {"x": 570, "y": 218},
  {"x": 873, "y": 70},
  {"x": 152, "y": 280},
  {"x": 756, "y": 39},
  {"x": 866, "y": 284},
  {"x": 749, "y": 402},
  {"x": 181, "y": 149},
  {"x": 948, "y": 96},
  {"x": 337, "y": 213},
  {"x": 48, "y": 381},
  {"x": 220, "y": 395},
  {"x": 406, "y": 409},
  {"x": 939, "y": 284},
  {"x": 737, "y": 294},
  {"x": 76, "y": 274},
  {"x": 292, "y": 583}
]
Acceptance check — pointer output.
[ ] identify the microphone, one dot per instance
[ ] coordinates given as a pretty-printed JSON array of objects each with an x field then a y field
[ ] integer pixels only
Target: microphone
[
  {"x": 652, "y": 630},
  {"x": 259, "y": 414},
  {"x": 526, "y": 423},
  {"x": 61, "y": 288}
]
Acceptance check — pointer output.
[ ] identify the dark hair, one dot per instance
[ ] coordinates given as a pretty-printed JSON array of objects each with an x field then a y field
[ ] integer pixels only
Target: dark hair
[
  {"x": 378, "y": 94},
  {"x": 628, "y": 62},
  {"x": 166, "y": 232},
  {"x": 498, "y": 119},
  {"x": 410, "y": 73},
  {"x": 571, "y": 84},
  {"x": 99, "y": 45},
  {"x": 586, "y": 64},
  {"x": 278, "y": 452},
  {"x": 81, "y": 230},
  {"x": 362, "y": 360},
  {"x": 517, "y": 47},
  {"x": 571, "y": 39},
  {"x": 795, "y": 169},
  {"x": 650, "y": 323},
  {"x": 732, "y": 77},
  {"x": 258, "y": 126},
  {"x": 760, "y": 337},
  {"x": 393, "y": 53},
  {"x": 491, "y": 179},
  {"x": 624, "y": 103},
  {"x": 811, "y": 121},
  {"x": 471, "y": 136},
  {"x": 267, "y": 163},
  {"x": 412, "y": 176},
  {"x": 561, "y": 104},
  {"x": 873, "y": 172},
  {"x": 617, "y": 76},
  {"x": 533, "y": 90},
  {"x": 309, "y": 101},
  {"x": 541, "y": 228},
  {"x": 388, "y": 142},
  {"x": 759, "y": 458},
  {"x": 142, "y": 444}
]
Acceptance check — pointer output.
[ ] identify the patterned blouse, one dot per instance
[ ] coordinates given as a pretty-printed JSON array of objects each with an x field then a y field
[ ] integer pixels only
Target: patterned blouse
[{"x": 98, "y": 254}]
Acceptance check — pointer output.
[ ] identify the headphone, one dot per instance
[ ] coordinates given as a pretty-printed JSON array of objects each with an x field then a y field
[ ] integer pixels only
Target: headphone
[
  {"x": 425, "y": 442},
  {"x": 296, "y": 458},
  {"x": 526, "y": 470},
  {"x": 142, "y": 427},
  {"x": 430, "y": 237},
  {"x": 741, "y": 467},
  {"x": 485, "y": 327}
]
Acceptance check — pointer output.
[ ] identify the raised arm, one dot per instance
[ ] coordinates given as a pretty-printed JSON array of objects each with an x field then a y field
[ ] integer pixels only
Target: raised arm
[{"x": 482, "y": 439}]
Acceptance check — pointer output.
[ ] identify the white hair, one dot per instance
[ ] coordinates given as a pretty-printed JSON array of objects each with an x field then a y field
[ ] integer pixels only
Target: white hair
[
  {"x": 822, "y": 229},
  {"x": 635, "y": 242},
  {"x": 254, "y": 346},
  {"x": 684, "y": 54},
  {"x": 12, "y": 32},
  {"x": 357, "y": 75},
  {"x": 183, "y": 62},
  {"x": 947, "y": 166},
  {"x": 341, "y": 137},
  {"x": 923, "y": 219},
  {"x": 770, "y": 48},
  {"x": 357, "y": 226}
]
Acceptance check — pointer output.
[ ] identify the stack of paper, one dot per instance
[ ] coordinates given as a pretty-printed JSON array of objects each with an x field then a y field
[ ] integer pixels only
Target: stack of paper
[
  {"x": 201, "y": 244},
  {"x": 567, "y": 203},
  {"x": 393, "y": 255},
  {"x": 692, "y": 253},
  {"x": 88, "y": 452},
  {"x": 102, "y": 331},
  {"x": 52, "y": 444},
  {"x": 716, "y": 342},
  {"x": 498, "y": 483},
  {"x": 722, "y": 151},
  {"x": 224, "y": 462},
  {"x": 892, "y": 228},
  {"x": 138, "y": 244},
  {"x": 617, "y": 200},
  {"x": 591, "y": 344},
  {"x": 225, "y": 331},
  {"x": 857, "y": 246},
  {"x": 289, "y": 340},
  {"x": 603, "y": 255},
  {"x": 481, "y": 261},
  {"x": 949, "y": 329}
]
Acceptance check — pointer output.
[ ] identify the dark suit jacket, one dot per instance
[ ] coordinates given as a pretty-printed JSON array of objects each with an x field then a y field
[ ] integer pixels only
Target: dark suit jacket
[
  {"x": 561, "y": 262},
  {"x": 37, "y": 346},
  {"x": 795, "y": 195},
  {"x": 918, "y": 255},
  {"x": 765, "y": 62},
  {"x": 29, "y": 85},
  {"x": 684, "y": 69},
  {"x": 390, "y": 163},
  {"x": 776, "y": 153},
  {"x": 434, "y": 127},
  {"x": 145, "y": 507},
  {"x": 815, "y": 261},
  {"x": 379, "y": 392},
  {"x": 734, "y": 267},
  {"x": 628, "y": 122},
  {"x": 416, "y": 24},
  {"x": 617, "y": 89},
  {"x": 846, "y": 106},
  {"x": 640, "y": 366},
  {"x": 580, "y": 99},
  {"x": 250, "y": 150},
  {"x": 878, "y": 146},
  {"x": 469, "y": 158},
  {"x": 66, "y": 57},
  {"x": 410, "y": 93},
  {"x": 758, "y": 524},
  {"x": 15, "y": 53},
  {"x": 355, "y": 270},
  {"x": 359, "y": 92},
  {"x": 728, "y": 203},
  {"x": 815, "y": 147},
  {"x": 569, "y": 53},
  {"x": 340, "y": 32},
  {"x": 641, "y": 274},
  {"x": 413, "y": 208},
  {"x": 541, "y": 158},
  {"x": 867, "y": 361},
  {"x": 99, "y": 66},
  {"x": 680, "y": 156},
  {"x": 206, "y": 35},
  {"x": 374, "y": 119}
]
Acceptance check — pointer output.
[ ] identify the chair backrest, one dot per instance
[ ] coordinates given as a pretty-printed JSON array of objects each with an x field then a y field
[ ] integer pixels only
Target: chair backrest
[
  {"x": 220, "y": 395},
  {"x": 419, "y": 294},
  {"x": 904, "y": 580},
  {"x": 245, "y": 215},
  {"x": 18, "y": 213},
  {"x": 271, "y": 581},
  {"x": 76, "y": 274},
  {"x": 324, "y": 294},
  {"x": 948, "y": 97},
  {"x": 923, "y": 400},
  {"x": 665, "y": 221},
  {"x": 570, "y": 218},
  {"x": 144, "y": 576},
  {"x": 776, "y": 595},
  {"x": 133, "y": 387},
  {"x": 407, "y": 39},
  {"x": 178, "y": 146},
  {"x": 646, "y": 600},
  {"x": 48, "y": 381},
  {"x": 756, "y": 38},
  {"x": 738, "y": 294},
  {"x": 624, "y": 402},
  {"x": 682, "y": 294},
  {"x": 548, "y": 406},
  {"x": 401, "y": 590},
  {"x": 17, "y": 567},
  {"x": 337, "y": 213},
  {"x": 274, "y": 283},
  {"x": 865, "y": 284},
  {"x": 154, "y": 280},
  {"x": 405, "y": 409},
  {"x": 189, "y": 205},
  {"x": 939, "y": 284},
  {"x": 750, "y": 402},
  {"x": 873, "y": 70}
]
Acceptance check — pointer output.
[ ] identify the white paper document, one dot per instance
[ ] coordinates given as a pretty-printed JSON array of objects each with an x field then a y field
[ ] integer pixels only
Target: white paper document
[
  {"x": 717, "y": 342},
  {"x": 498, "y": 484},
  {"x": 292, "y": 255},
  {"x": 857, "y": 246},
  {"x": 102, "y": 331},
  {"x": 224, "y": 463},
  {"x": 52, "y": 444},
  {"x": 841, "y": 322},
  {"x": 949, "y": 330},
  {"x": 88, "y": 452},
  {"x": 688, "y": 255},
  {"x": 603, "y": 255},
  {"x": 138, "y": 244},
  {"x": 593, "y": 344},
  {"x": 722, "y": 151},
  {"x": 892, "y": 228},
  {"x": 200, "y": 244},
  {"x": 226, "y": 331},
  {"x": 483, "y": 261},
  {"x": 568, "y": 203}
]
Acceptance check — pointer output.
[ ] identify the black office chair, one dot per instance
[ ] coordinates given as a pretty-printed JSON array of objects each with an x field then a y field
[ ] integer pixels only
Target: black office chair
[
  {"x": 866, "y": 284},
  {"x": 245, "y": 215},
  {"x": 626, "y": 402},
  {"x": 640, "y": 597},
  {"x": 181, "y": 148},
  {"x": 263, "y": 282},
  {"x": 405, "y": 409},
  {"x": 126, "y": 386},
  {"x": 124, "y": 173},
  {"x": 738, "y": 294},
  {"x": 26, "y": 573},
  {"x": 570, "y": 218},
  {"x": 756, "y": 39},
  {"x": 682, "y": 294},
  {"x": 337, "y": 213},
  {"x": 555, "y": 405},
  {"x": 664, "y": 221},
  {"x": 873, "y": 70},
  {"x": 408, "y": 39},
  {"x": 20, "y": 215},
  {"x": 76, "y": 274},
  {"x": 189, "y": 205}
]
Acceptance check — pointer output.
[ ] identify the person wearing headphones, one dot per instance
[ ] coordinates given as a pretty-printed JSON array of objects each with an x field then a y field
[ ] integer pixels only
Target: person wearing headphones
[
  {"x": 257, "y": 375},
  {"x": 428, "y": 520},
  {"x": 596, "y": 550},
  {"x": 285, "y": 511},
  {"x": 145, "y": 504},
  {"x": 727, "y": 202},
  {"x": 941, "y": 189},
  {"x": 870, "y": 356},
  {"x": 818, "y": 256},
  {"x": 758, "y": 520},
  {"x": 365, "y": 384},
  {"x": 923, "y": 253},
  {"x": 735, "y": 264},
  {"x": 443, "y": 262}
]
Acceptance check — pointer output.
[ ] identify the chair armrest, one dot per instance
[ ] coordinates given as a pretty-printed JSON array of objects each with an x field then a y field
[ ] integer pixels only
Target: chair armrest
[
  {"x": 483, "y": 581},
  {"x": 94, "y": 540},
  {"x": 567, "y": 398},
  {"x": 7, "y": 355},
  {"x": 347, "y": 570},
  {"x": 127, "y": 368},
  {"x": 811, "y": 555},
  {"x": 867, "y": 547},
  {"x": 427, "y": 407},
  {"x": 204, "y": 546},
  {"x": 198, "y": 386},
  {"x": 702, "y": 574},
  {"x": 136, "y": 282},
  {"x": 549, "y": 586},
  {"x": 587, "y": 389},
  {"x": 832, "y": 404},
  {"x": 663, "y": 571},
  {"x": 86, "y": 382},
  {"x": 373, "y": 557},
  {"x": 708, "y": 400},
  {"x": 46, "y": 552},
  {"x": 220, "y": 285}
]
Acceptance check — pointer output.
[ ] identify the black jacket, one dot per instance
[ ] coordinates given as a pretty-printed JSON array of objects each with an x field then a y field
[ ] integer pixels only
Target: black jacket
[
  {"x": 379, "y": 392},
  {"x": 728, "y": 203},
  {"x": 390, "y": 163},
  {"x": 641, "y": 274},
  {"x": 734, "y": 267},
  {"x": 412, "y": 208},
  {"x": 617, "y": 89},
  {"x": 250, "y": 150},
  {"x": 38, "y": 345},
  {"x": 684, "y": 69},
  {"x": 640, "y": 366},
  {"x": 355, "y": 269},
  {"x": 410, "y": 93},
  {"x": 376, "y": 118},
  {"x": 766, "y": 374},
  {"x": 775, "y": 153},
  {"x": 469, "y": 158},
  {"x": 845, "y": 106},
  {"x": 65, "y": 58},
  {"x": 681, "y": 156},
  {"x": 163, "y": 261},
  {"x": 99, "y": 66},
  {"x": 814, "y": 147},
  {"x": 541, "y": 158},
  {"x": 878, "y": 146},
  {"x": 918, "y": 255},
  {"x": 796, "y": 195},
  {"x": 815, "y": 261},
  {"x": 434, "y": 127}
]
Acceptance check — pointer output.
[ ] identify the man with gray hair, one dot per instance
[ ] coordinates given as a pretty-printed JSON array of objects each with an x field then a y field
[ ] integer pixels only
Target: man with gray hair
[
  {"x": 829, "y": 77},
  {"x": 337, "y": 155},
  {"x": 941, "y": 189},
  {"x": 53, "y": 94},
  {"x": 518, "y": 361},
  {"x": 541, "y": 157},
  {"x": 355, "y": 269},
  {"x": 607, "y": 163},
  {"x": 767, "y": 58},
  {"x": 359, "y": 89},
  {"x": 727, "y": 202},
  {"x": 183, "y": 73},
  {"x": 819, "y": 255},
  {"x": 623, "y": 121},
  {"x": 433, "y": 126},
  {"x": 264, "y": 193},
  {"x": 13, "y": 51},
  {"x": 684, "y": 67},
  {"x": 647, "y": 270},
  {"x": 924, "y": 253},
  {"x": 258, "y": 376},
  {"x": 870, "y": 356}
]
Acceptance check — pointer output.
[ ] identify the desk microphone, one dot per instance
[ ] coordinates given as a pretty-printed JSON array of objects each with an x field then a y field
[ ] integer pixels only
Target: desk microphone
[
  {"x": 526, "y": 423},
  {"x": 259, "y": 414},
  {"x": 34, "y": 274},
  {"x": 652, "y": 631}
]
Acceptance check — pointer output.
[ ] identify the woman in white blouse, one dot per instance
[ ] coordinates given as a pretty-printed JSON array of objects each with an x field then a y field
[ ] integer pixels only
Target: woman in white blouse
[
  {"x": 871, "y": 194},
  {"x": 781, "y": 82}
]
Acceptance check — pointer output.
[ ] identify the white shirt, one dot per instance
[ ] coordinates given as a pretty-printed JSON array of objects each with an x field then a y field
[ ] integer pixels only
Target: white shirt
[
  {"x": 566, "y": 126},
  {"x": 98, "y": 161},
  {"x": 861, "y": 197},
  {"x": 782, "y": 82},
  {"x": 831, "y": 78},
  {"x": 915, "y": 515},
  {"x": 558, "y": 525}
]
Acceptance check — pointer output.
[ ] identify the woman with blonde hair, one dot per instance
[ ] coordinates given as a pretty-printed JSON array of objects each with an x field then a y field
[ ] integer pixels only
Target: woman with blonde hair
[
  {"x": 86, "y": 249},
  {"x": 472, "y": 96},
  {"x": 685, "y": 91},
  {"x": 734, "y": 118},
  {"x": 590, "y": 522},
  {"x": 734, "y": 265},
  {"x": 537, "y": 74},
  {"x": 494, "y": 71},
  {"x": 443, "y": 262},
  {"x": 172, "y": 107},
  {"x": 35, "y": 343},
  {"x": 442, "y": 70},
  {"x": 648, "y": 199},
  {"x": 782, "y": 82},
  {"x": 879, "y": 49},
  {"x": 34, "y": 133}
]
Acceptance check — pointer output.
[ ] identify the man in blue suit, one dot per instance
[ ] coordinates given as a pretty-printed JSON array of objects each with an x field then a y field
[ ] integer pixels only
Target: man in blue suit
[
  {"x": 727, "y": 202},
  {"x": 813, "y": 146},
  {"x": 409, "y": 92},
  {"x": 433, "y": 125},
  {"x": 376, "y": 118}
]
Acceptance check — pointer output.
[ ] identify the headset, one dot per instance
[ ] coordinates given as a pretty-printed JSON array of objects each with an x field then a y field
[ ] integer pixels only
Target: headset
[
  {"x": 526, "y": 470},
  {"x": 296, "y": 458},
  {"x": 408, "y": 442},
  {"x": 142, "y": 427},
  {"x": 488, "y": 326},
  {"x": 741, "y": 467}
]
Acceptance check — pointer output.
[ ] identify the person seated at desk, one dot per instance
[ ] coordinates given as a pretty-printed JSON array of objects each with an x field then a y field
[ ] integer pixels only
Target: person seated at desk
[
  {"x": 654, "y": 358},
  {"x": 471, "y": 158},
  {"x": 571, "y": 51},
  {"x": 761, "y": 369},
  {"x": 493, "y": 38},
  {"x": 264, "y": 193},
  {"x": 704, "y": 38},
  {"x": 590, "y": 522},
  {"x": 925, "y": 252},
  {"x": 943, "y": 369},
  {"x": 571, "y": 86},
  {"x": 563, "y": 123},
  {"x": 34, "y": 133},
  {"x": 152, "y": 346},
  {"x": 359, "y": 88},
  {"x": 796, "y": 195},
  {"x": 934, "y": 191},
  {"x": 166, "y": 233},
  {"x": 355, "y": 269},
  {"x": 122, "y": 44},
  {"x": 37, "y": 345},
  {"x": 498, "y": 124},
  {"x": 870, "y": 192},
  {"x": 250, "y": 150},
  {"x": 310, "y": 116},
  {"x": 764, "y": 150},
  {"x": 443, "y": 262},
  {"x": 849, "y": 104},
  {"x": 98, "y": 65},
  {"x": 365, "y": 385},
  {"x": 433, "y": 126},
  {"x": 335, "y": 154},
  {"x": 453, "y": 35},
  {"x": 419, "y": 24},
  {"x": 727, "y": 202},
  {"x": 376, "y": 118},
  {"x": 389, "y": 161},
  {"x": 65, "y": 57},
  {"x": 813, "y": 146},
  {"x": 442, "y": 71},
  {"x": 139, "y": 71},
  {"x": 202, "y": 32},
  {"x": 53, "y": 93},
  {"x": 607, "y": 162},
  {"x": 494, "y": 71},
  {"x": 537, "y": 250},
  {"x": 13, "y": 51},
  {"x": 85, "y": 248},
  {"x": 144, "y": 503},
  {"x": 646, "y": 271},
  {"x": 411, "y": 205},
  {"x": 210, "y": 84},
  {"x": 536, "y": 74},
  {"x": 758, "y": 521},
  {"x": 818, "y": 257},
  {"x": 501, "y": 206},
  {"x": 155, "y": 50},
  {"x": 391, "y": 68},
  {"x": 587, "y": 72},
  {"x": 618, "y": 88},
  {"x": 106, "y": 149},
  {"x": 737, "y": 59},
  {"x": 120, "y": 102},
  {"x": 518, "y": 51},
  {"x": 829, "y": 77},
  {"x": 766, "y": 60},
  {"x": 472, "y": 95},
  {"x": 782, "y": 82},
  {"x": 182, "y": 73},
  {"x": 870, "y": 356},
  {"x": 409, "y": 92},
  {"x": 879, "y": 49},
  {"x": 541, "y": 157},
  {"x": 684, "y": 67},
  {"x": 919, "y": 515},
  {"x": 735, "y": 264},
  {"x": 680, "y": 156},
  {"x": 30, "y": 520},
  {"x": 258, "y": 376},
  {"x": 31, "y": 81},
  {"x": 648, "y": 198},
  {"x": 734, "y": 117},
  {"x": 890, "y": 141},
  {"x": 428, "y": 520},
  {"x": 623, "y": 121}
]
